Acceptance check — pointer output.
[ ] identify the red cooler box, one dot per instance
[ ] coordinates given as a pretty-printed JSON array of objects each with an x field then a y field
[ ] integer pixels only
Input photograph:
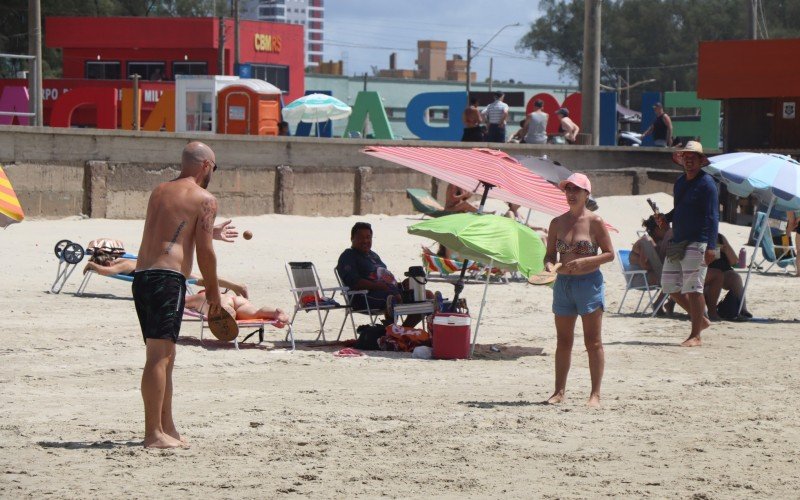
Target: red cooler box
[{"x": 451, "y": 336}]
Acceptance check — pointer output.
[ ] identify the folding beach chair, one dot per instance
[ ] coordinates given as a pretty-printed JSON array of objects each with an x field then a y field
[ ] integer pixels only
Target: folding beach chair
[
  {"x": 348, "y": 297},
  {"x": 256, "y": 324},
  {"x": 781, "y": 255},
  {"x": 443, "y": 267},
  {"x": 636, "y": 279},
  {"x": 424, "y": 202},
  {"x": 309, "y": 295}
]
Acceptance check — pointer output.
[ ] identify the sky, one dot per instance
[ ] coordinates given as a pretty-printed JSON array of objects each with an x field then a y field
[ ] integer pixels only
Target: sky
[{"x": 364, "y": 33}]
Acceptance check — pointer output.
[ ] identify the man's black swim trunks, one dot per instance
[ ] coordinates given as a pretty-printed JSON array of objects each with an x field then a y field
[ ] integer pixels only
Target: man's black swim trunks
[{"x": 159, "y": 295}]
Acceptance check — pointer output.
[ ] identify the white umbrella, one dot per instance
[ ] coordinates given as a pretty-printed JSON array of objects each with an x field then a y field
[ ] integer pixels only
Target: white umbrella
[
  {"x": 315, "y": 108},
  {"x": 772, "y": 177}
]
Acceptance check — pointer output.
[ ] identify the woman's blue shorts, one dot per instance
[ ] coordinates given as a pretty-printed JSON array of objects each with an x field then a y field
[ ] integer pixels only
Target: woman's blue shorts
[{"x": 576, "y": 295}]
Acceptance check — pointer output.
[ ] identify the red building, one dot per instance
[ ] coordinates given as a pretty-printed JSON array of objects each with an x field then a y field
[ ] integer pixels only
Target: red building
[{"x": 158, "y": 48}]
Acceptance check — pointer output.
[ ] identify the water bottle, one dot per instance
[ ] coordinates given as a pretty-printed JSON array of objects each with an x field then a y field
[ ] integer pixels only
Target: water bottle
[{"x": 742, "y": 258}]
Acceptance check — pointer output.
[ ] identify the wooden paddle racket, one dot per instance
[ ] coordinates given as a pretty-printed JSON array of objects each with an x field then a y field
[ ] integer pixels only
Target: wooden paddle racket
[
  {"x": 544, "y": 277},
  {"x": 223, "y": 325}
]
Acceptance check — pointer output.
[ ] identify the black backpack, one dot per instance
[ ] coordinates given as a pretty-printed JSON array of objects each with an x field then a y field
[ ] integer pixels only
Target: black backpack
[{"x": 368, "y": 336}]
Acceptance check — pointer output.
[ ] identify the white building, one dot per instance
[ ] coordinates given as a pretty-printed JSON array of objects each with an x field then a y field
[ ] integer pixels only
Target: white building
[{"x": 309, "y": 13}]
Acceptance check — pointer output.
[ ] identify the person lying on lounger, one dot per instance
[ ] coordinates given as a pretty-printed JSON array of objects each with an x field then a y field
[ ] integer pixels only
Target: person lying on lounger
[
  {"x": 239, "y": 307},
  {"x": 107, "y": 265}
]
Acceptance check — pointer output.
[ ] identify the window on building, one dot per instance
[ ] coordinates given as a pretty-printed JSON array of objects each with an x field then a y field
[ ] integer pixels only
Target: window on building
[
  {"x": 315, "y": 47},
  {"x": 315, "y": 3},
  {"x": 271, "y": 11},
  {"x": 315, "y": 36},
  {"x": 276, "y": 75},
  {"x": 102, "y": 70},
  {"x": 316, "y": 58},
  {"x": 315, "y": 25},
  {"x": 317, "y": 14},
  {"x": 153, "y": 71},
  {"x": 189, "y": 68}
]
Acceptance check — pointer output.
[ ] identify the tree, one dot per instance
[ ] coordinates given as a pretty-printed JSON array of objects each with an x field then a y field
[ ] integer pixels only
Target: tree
[{"x": 654, "y": 38}]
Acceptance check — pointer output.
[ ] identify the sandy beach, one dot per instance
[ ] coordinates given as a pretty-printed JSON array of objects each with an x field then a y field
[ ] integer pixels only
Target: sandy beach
[{"x": 720, "y": 421}]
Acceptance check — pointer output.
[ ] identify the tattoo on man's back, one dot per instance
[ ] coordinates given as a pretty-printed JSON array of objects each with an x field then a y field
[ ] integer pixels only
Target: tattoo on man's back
[{"x": 175, "y": 237}]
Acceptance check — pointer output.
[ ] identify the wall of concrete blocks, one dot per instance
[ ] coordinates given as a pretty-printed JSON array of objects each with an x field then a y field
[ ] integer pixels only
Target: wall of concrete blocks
[{"x": 109, "y": 174}]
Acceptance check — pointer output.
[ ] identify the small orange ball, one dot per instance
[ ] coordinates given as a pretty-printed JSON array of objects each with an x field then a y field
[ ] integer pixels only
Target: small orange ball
[{"x": 247, "y": 235}]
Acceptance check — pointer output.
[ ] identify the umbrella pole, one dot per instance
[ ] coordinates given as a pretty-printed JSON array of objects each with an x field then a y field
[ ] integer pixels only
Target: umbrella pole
[
  {"x": 483, "y": 302},
  {"x": 755, "y": 250},
  {"x": 486, "y": 188},
  {"x": 459, "y": 286}
]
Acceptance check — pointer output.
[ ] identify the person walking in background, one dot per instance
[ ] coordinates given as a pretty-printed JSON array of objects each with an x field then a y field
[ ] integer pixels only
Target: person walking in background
[
  {"x": 536, "y": 124},
  {"x": 661, "y": 128},
  {"x": 576, "y": 236},
  {"x": 496, "y": 115},
  {"x": 568, "y": 129},
  {"x": 695, "y": 223},
  {"x": 472, "y": 120}
]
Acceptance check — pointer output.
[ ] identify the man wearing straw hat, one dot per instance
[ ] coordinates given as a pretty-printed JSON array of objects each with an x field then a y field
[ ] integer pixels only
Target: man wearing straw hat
[{"x": 695, "y": 222}]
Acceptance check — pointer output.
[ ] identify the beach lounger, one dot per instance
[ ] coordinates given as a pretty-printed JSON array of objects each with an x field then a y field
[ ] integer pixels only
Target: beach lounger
[
  {"x": 257, "y": 326},
  {"x": 636, "y": 279},
  {"x": 310, "y": 296},
  {"x": 425, "y": 203}
]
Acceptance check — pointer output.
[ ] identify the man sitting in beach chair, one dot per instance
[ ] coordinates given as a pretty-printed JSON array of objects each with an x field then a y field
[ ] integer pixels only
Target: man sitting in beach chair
[{"x": 362, "y": 269}]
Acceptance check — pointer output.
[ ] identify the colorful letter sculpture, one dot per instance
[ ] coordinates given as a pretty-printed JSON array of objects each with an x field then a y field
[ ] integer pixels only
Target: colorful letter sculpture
[
  {"x": 368, "y": 105},
  {"x": 417, "y": 109},
  {"x": 103, "y": 99}
]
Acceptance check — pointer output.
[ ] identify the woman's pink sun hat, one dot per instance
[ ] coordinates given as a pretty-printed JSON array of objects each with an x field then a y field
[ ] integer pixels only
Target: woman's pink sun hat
[{"x": 577, "y": 179}]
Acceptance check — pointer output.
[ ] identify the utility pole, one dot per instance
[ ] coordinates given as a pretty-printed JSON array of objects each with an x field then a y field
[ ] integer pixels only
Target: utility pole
[
  {"x": 221, "y": 44},
  {"x": 35, "y": 50},
  {"x": 136, "y": 103},
  {"x": 590, "y": 74},
  {"x": 469, "y": 64},
  {"x": 236, "y": 37},
  {"x": 491, "y": 64}
]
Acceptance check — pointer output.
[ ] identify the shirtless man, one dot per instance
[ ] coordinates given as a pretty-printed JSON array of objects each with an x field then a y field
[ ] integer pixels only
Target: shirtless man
[
  {"x": 472, "y": 120},
  {"x": 180, "y": 218},
  {"x": 238, "y": 307},
  {"x": 456, "y": 200}
]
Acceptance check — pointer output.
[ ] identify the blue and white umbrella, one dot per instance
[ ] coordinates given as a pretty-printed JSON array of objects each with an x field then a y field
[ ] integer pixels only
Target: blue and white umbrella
[
  {"x": 765, "y": 175},
  {"x": 315, "y": 108},
  {"x": 774, "y": 178}
]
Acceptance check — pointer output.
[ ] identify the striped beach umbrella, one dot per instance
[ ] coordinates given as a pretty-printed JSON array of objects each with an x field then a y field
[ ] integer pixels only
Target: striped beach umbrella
[
  {"x": 489, "y": 172},
  {"x": 315, "y": 108},
  {"x": 10, "y": 209}
]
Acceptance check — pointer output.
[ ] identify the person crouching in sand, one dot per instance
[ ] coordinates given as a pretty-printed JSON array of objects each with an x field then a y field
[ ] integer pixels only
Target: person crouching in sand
[
  {"x": 579, "y": 289},
  {"x": 180, "y": 217}
]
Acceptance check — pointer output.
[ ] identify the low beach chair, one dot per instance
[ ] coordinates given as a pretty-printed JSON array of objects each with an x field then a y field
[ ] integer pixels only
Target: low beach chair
[
  {"x": 442, "y": 267},
  {"x": 310, "y": 296},
  {"x": 636, "y": 279},
  {"x": 781, "y": 255},
  {"x": 425, "y": 203},
  {"x": 257, "y": 326}
]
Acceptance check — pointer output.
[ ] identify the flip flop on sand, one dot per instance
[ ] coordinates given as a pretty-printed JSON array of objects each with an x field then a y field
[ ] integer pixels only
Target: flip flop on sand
[
  {"x": 223, "y": 326},
  {"x": 545, "y": 277}
]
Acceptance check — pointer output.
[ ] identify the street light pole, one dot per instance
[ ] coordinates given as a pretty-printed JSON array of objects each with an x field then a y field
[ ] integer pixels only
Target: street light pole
[{"x": 471, "y": 56}]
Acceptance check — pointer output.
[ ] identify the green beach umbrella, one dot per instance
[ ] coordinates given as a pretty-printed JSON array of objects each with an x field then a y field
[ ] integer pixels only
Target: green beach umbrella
[
  {"x": 511, "y": 245},
  {"x": 500, "y": 241}
]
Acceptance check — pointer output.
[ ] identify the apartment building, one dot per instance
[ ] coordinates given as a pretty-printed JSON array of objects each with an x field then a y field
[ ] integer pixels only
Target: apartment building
[{"x": 308, "y": 13}]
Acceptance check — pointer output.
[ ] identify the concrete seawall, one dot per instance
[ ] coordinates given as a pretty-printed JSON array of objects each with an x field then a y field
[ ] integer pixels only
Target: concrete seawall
[{"x": 109, "y": 173}]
